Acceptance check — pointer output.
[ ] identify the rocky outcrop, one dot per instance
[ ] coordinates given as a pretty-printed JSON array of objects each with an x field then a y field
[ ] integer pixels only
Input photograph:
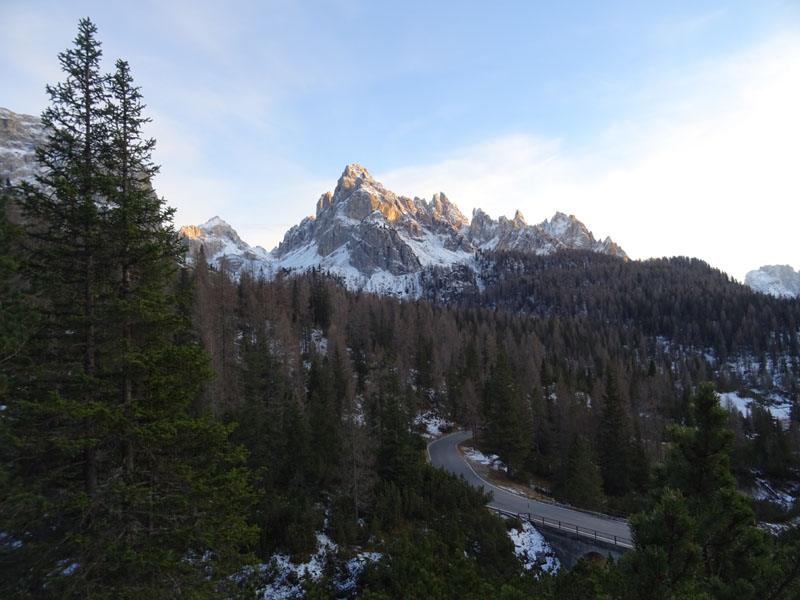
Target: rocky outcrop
[{"x": 777, "y": 280}]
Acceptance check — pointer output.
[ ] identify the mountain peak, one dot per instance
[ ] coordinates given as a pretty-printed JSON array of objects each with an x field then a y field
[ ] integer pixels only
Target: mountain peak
[
  {"x": 443, "y": 209},
  {"x": 353, "y": 176},
  {"x": 215, "y": 237},
  {"x": 215, "y": 221}
]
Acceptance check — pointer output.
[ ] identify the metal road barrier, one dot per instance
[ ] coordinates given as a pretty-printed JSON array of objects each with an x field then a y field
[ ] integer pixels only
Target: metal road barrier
[{"x": 570, "y": 528}]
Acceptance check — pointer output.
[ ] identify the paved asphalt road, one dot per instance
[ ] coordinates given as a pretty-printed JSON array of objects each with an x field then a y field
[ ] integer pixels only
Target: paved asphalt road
[{"x": 445, "y": 455}]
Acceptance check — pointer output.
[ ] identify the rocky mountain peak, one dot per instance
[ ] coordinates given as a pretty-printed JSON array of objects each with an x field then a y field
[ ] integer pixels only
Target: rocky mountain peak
[
  {"x": 560, "y": 223},
  {"x": 353, "y": 176},
  {"x": 214, "y": 238},
  {"x": 357, "y": 195},
  {"x": 442, "y": 209}
]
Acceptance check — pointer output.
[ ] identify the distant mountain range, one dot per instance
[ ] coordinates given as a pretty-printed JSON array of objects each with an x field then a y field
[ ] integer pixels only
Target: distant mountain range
[
  {"x": 367, "y": 235},
  {"x": 379, "y": 241}
]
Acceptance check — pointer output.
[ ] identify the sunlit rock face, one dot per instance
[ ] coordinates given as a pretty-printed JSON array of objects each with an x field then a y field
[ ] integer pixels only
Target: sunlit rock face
[{"x": 777, "y": 280}]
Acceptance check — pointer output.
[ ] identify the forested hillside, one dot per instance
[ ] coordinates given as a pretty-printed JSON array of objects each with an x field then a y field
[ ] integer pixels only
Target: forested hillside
[
  {"x": 618, "y": 373},
  {"x": 168, "y": 431}
]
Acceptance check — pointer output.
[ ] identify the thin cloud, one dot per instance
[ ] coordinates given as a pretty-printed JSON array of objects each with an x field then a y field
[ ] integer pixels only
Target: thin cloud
[
  {"x": 681, "y": 180},
  {"x": 673, "y": 30}
]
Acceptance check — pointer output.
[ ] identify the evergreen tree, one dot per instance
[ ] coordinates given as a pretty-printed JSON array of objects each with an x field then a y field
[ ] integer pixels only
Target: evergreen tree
[
  {"x": 700, "y": 537},
  {"x": 507, "y": 417},
  {"x": 324, "y": 421},
  {"x": 614, "y": 445},
  {"x": 580, "y": 482},
  {"x": 16, "y": 317},
  {"x": 398, "y": 459},
  {"x": 115, "y": 487}
]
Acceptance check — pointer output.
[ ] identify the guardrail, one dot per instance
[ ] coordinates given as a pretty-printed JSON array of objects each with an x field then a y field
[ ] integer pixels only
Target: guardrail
[{"x": 570, "y": 528}]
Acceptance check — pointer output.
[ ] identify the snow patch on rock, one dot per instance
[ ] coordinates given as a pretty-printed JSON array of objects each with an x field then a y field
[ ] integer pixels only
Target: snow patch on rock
[{"x": 533, "y": 550}]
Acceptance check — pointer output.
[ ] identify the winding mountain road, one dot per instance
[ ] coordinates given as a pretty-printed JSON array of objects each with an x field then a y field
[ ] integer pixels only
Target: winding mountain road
[{"x": 444, "y": 454}]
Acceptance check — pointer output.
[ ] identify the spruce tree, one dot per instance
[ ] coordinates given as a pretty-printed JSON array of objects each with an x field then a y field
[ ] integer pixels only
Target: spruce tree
[
  {"x": 116, "y": 489},
  {"x": 580, "y": 483},
  {"x": 508, "y": 420},
  {"x": 614, "y": 446},
  {"x": 700, "y": 536}
]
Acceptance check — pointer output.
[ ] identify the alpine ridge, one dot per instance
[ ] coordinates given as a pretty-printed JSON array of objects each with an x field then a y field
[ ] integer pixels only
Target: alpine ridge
[{"x": 379, "y": 241}]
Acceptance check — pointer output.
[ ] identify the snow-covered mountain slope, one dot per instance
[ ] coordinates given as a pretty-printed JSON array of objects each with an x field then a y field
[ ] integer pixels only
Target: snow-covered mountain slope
[
  {"x": 19, "y": 136},
  {"x": 777, "y": 280},
  {"x": 379, "y": 241}
]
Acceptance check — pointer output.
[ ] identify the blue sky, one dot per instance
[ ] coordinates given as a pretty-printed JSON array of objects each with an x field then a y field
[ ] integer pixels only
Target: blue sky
[{"x": 672, "y": 127}]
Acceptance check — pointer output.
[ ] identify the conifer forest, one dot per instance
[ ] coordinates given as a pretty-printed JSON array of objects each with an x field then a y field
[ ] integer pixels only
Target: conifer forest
[{"x": 170, "y": 431}]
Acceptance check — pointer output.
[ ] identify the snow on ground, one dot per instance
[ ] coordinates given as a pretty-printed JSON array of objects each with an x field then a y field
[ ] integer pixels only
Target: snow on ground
[
  {"x": 430, "y": 250},
  {"x": 532, "y": 549},
  {"x": 779, "y": 528},
  {"x": 432, "y": 424},
  {"x": 492, "y": 460},
  {"x": 779, "y": 408},
  {"x": 347, "y": 577},
  {"x": 286, "y": 578}
]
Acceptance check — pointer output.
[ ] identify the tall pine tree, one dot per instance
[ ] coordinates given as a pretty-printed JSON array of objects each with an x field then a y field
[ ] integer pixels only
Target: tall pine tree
[
  {"x": 508, "y": 419},
  {"x": 115, "y": 487},
  {"x": 614, "y": 445}
]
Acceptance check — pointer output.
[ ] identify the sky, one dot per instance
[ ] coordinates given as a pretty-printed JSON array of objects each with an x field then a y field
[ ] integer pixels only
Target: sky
[{"x": 672, "y": 127}]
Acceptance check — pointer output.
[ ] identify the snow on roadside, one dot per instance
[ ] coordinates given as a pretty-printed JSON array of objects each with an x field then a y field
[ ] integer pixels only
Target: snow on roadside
[
  {"x": 492, "y": 460},
  {"x": 432, "y": 424},
  {"x": 533, "y": 550}
]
